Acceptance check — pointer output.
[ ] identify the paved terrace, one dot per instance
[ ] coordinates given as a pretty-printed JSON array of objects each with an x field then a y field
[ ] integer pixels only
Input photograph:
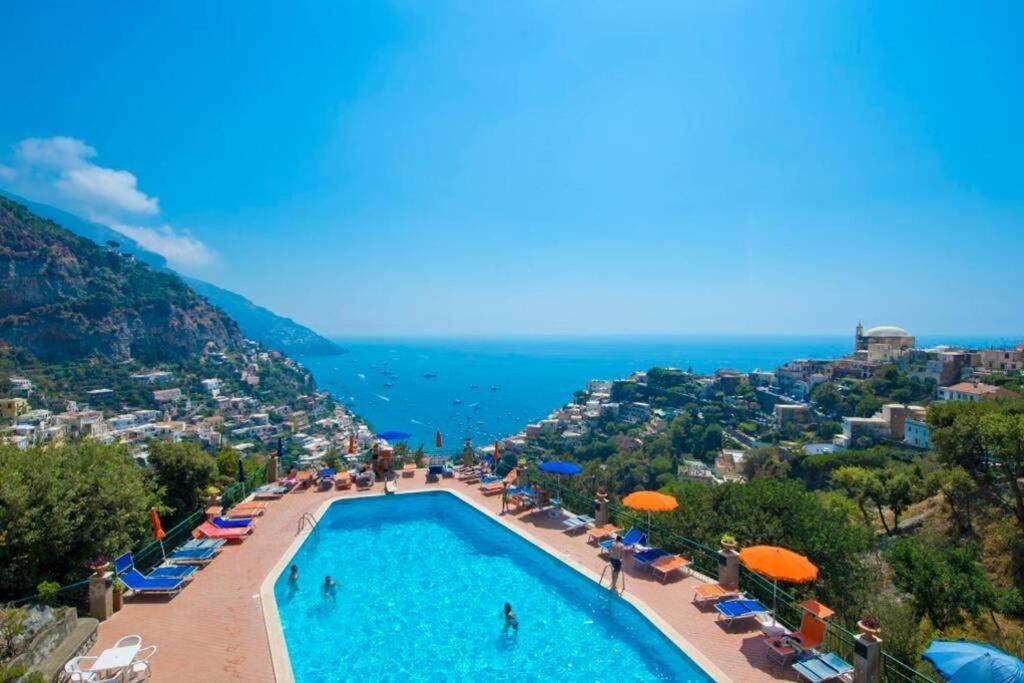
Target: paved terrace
[{"x": 214, "y": 630}]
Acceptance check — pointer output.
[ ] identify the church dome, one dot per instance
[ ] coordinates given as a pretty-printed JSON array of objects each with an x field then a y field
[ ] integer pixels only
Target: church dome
[{"x": 887, "y": 331}]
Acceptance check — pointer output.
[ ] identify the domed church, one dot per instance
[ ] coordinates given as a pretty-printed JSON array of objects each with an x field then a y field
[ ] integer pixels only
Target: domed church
[{"x": 884, "y": 342}]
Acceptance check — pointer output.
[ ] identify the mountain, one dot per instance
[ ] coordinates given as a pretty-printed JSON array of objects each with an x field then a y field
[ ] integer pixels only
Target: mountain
[
  {"x": 63, "y": 297},
  {"x": 260, "y": 324}
]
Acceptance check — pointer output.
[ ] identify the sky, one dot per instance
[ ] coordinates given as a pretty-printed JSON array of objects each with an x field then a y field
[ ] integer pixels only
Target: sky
[{"x": 522, "y": 167}]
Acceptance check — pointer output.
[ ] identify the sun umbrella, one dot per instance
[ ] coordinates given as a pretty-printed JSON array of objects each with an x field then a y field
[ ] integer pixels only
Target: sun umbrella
[
  {"x": 394, "y": 436},
  {"x": 497, "y": 455},
  {"x": 962, "y": 661},
  {"x": 351, "y": 444},
  {"x": 438, "y": 441},
  {"x": 778, "y": 564},
  {"x": 650, "y": 501},
  {"x": 158, "y": 528},
  {"x": 559, "y": 467}
]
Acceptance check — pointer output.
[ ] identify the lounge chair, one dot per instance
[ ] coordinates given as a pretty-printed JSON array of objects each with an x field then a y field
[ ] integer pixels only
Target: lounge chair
[
  {"x": 495, "y": 486},
  {"x": 343, "y": 480},
  {"x": 738, "y": 609},
  {"x": 250, "y": 509},
  {"x": 666, "y": 565},
  {"x": 577, "y": 523},
  {"x": 197, "y": 543},
  {"x": 601, "y": 533},
  {"x": 409, "y": 469},
  {"x": 270, "y": 492},
  {"x": 709, "y": 593},
  {"x": 210, "y": 530},
  {"x": 782, "y": 649},
  {"x": 193, "y": 555},
  {"x": 822, "y": 667},
  {"x": 126, "y": 563},
  {"x": 225, "y": 523},
  {"x": 365, "y": 480},
  {"x": 643, "y": 559},
  {"x": 633, "y": 538},
  {"x": 142, "y": 585}
]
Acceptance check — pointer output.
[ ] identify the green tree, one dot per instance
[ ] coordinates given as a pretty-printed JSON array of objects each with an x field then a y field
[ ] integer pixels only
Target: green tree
[
  {"x": 227, "y": 463},
  {"x": 944, "y": 582},
  {"x": 183, "y": 471},
  {"x": 87, "y": 500}
]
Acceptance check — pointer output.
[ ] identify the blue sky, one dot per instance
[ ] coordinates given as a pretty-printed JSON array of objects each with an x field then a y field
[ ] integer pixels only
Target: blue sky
[{"x": 537, "y": 167}]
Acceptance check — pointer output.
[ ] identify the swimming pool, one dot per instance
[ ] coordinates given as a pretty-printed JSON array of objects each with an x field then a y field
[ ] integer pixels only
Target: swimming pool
[{"x": 421, "y": 582}]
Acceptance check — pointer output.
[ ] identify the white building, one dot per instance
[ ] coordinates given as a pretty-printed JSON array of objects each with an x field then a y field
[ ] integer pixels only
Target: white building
[
  {"x": 973, "y": 391},
  {"x": 917, "y": 433}
]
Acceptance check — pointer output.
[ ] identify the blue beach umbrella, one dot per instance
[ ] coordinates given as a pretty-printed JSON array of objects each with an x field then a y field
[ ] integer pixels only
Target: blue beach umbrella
[
  {"x": 558, "y": 467},
  {"x": 963, "y": 661}
]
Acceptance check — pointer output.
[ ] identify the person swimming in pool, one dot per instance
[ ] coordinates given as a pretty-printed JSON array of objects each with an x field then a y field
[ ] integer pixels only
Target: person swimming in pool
[
  {"x": 294, "y": 575},
  {"x": 510, "y": 618},
  {"x": 328, "y": 589}
]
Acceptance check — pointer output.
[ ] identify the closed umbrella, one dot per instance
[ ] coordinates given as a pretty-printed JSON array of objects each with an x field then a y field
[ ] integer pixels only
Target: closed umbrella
[
  {"x": 158, "y": 528},
  {"x": 963, "y": 661},
  {"x": 438, "y": 441},
  {"x": 351, "y": 444},
  {"x": 650, "y": 501},
  {"x": 778, "y": 564}
]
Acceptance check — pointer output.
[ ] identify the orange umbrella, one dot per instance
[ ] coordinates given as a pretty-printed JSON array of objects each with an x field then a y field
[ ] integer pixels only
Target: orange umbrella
[
  {"x": 158, "y": 528},
  {"x": 351, "y": 444},
  {"x": 437, "y": 439},
  {"x": 650, "y": 501},
  {"x": 497, "y": 455},
  {"x": 778, "y": 564}
]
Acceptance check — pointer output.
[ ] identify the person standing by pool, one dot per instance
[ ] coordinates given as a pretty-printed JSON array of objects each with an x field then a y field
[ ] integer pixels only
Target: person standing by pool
[
  {"x": 504, "y": 498},
  {"x": 615, "y": 555}
]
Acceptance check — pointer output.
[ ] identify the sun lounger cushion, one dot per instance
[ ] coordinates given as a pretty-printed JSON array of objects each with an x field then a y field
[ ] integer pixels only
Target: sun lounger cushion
[
  {"x": 740, "y": 608},
  {"x": 140, "y": 584},
  {"x": 193, "y": 555},
  {"x": 231, "y": 523},
  {"x": 820, "y": 668},
  {"x": 172, "y": 572},
  {"x": 650, "y": 555},
  {"x": 632, "y": 538}
]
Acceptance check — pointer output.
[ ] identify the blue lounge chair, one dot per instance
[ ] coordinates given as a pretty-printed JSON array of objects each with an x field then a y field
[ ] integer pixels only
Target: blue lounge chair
[
  {"x": 823, "y": 667},
  {"x": 197, "y": 543},
  {"x": 270, "y": 491},
  {"x": 231, "y": 523},
  {"x": 193, "y": 555},
  {"x": 645, "y": 558},
  {"x": 126, "y": 563},
  {"x": 740, "y": 608},
  {"x": 633, "y": 538},
  {"x": 143, "y": 585}
]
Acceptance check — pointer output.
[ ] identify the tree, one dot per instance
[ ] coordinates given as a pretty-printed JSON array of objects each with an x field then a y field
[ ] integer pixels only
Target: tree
[
  {"x": 959, "y": 491},
  {"x": 986, "y": 439},
  {"x": 183, "y": 471},
  {"x": 857, "y": 483},
  {"x": 763, "y": 462},
  {"x": 891, "y": 488},
  {"x": 944, "y": 582},
  {"x": 227, "y": 463},
  {"x": 88, "y": 500}
]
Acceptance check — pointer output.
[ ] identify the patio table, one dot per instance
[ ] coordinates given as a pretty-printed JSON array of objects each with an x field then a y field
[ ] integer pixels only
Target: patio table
[{"x": 115, "y": 658}]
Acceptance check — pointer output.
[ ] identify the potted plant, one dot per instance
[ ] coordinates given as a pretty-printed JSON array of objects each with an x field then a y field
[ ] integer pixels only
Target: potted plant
[
  {"x": 212, "y": 496},
  {"x": 119, "y": 589},
  {"x": 869, "y": 628},
  {"x": 728, "y": 542},
  {"x": 99, "y": 565}
]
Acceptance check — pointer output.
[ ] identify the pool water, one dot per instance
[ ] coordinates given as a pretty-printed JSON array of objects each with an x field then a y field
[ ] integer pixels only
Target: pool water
[{"x": 421, "y": 583}]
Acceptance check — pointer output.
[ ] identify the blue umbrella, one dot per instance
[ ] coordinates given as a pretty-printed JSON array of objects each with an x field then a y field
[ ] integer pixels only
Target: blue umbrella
[
  {"x": 558, "y": 467},
  {"x": 962, "y": 661},
  {"x": 394, "y": 436}
]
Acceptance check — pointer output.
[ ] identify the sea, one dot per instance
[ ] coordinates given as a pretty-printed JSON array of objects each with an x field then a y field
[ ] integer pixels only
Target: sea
[{"x": 486, "y": 388}]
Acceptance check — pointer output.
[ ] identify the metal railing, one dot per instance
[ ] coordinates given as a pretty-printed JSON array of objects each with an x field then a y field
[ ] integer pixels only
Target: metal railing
[{"x": 704, "y": 559}]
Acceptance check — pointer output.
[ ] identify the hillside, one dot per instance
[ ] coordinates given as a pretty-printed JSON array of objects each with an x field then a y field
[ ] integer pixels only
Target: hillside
[
  {"x": 257, "y": 323},
  {"x": 63, "y": 297}
]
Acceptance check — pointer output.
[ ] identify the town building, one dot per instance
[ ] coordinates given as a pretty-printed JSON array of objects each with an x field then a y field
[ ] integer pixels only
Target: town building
[
  {"x": 10, "y": 408},
  {"x": 973, "y": 391},
  {"x": 917, "y": 433},
  {"x": 884, "y": 343},
  {"x": 791, "y": 414}
]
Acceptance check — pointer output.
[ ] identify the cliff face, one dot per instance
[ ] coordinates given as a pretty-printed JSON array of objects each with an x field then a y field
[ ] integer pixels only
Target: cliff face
[{"x": 63, "y": 297}]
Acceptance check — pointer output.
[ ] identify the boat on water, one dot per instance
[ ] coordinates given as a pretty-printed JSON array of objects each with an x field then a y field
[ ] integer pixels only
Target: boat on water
[
  {"x": 495, "y": 387},
  {"x": 389, "y": 384},
  {"x": 474, "y": 386},
  {"x": 457, "y": 401},
  {"x": 429, "y": 375}
]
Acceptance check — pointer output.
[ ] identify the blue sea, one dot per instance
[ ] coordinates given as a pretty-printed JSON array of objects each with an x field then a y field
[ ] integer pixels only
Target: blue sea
[{"x": 419, "y": 385}]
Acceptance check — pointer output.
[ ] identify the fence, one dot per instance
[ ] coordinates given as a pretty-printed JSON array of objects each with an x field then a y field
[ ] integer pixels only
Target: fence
[{"x": 704, "y": 559}]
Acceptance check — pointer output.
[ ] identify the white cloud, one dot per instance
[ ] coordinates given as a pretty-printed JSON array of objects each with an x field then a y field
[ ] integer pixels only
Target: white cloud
[
  {"x": 59, "y": 171},
  {"x": 179, "y": 248}
]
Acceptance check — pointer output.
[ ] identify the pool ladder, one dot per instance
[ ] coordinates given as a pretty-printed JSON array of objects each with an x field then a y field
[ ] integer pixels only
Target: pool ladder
[
  {"x": 308, "y": 520},
  {"x": 622, "y": 575}
]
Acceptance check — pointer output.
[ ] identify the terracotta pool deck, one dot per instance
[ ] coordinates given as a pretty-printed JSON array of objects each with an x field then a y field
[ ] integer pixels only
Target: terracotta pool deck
[{"x": 214, "y": 630}]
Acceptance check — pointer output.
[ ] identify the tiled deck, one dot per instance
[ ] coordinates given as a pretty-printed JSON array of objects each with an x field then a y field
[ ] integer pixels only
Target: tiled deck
[{"x": 214, "y": 630}]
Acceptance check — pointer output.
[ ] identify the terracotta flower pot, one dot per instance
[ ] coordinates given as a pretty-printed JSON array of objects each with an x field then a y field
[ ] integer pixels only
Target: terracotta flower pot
[{"x": 869, "y": 632}]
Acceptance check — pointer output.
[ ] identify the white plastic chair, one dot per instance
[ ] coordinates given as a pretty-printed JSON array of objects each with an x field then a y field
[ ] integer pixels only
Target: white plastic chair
[
  {"x": 139, "y": 669},
  {"x": 77, "y": 669},
  {"x": 128, "y": 641}
]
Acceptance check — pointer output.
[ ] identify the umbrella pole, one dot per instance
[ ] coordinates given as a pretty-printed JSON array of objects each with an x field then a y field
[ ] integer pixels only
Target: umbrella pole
[
  {"x": 775, "y": 602},
  {"x": 162, "y": 551}
]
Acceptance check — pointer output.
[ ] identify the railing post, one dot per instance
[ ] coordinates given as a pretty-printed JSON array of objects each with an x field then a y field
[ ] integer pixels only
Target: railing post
[
  {"x": 601, "y": 514},
  {"x": 101, "y": 595},
  {"x": 867, "y": 659},
  {"x": 729, "y": 568}
]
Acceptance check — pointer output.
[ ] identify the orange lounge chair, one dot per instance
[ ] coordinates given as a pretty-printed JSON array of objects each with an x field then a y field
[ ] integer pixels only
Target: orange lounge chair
[
  {"x": 209, "y": 530},
  {"x": 409, "y": 469},
  {"x": 667, "y": 565},
  {"x": 712, "y": 592},
  {"x": 242, "y": 510},
  {"x": 782, "y": 649},
  {"x": 343, "y": 480},
  {"x": 603, "y": 533},
  {"x": 493, "y": 487}
]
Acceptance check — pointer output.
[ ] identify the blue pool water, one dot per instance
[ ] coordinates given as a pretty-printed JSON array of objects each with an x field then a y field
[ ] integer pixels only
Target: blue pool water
[{"x": 421, "y": 582}]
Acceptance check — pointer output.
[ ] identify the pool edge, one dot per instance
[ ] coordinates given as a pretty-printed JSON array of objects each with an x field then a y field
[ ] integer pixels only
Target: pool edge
[{"x": 275, "y": 634}]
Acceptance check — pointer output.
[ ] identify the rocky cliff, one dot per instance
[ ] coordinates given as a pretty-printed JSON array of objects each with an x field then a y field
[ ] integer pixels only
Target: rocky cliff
[{"x": 63, "y": 297}]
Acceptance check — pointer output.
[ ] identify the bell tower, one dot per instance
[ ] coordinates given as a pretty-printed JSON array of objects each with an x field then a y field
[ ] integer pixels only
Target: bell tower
[{"x": 858, "y": 340}]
